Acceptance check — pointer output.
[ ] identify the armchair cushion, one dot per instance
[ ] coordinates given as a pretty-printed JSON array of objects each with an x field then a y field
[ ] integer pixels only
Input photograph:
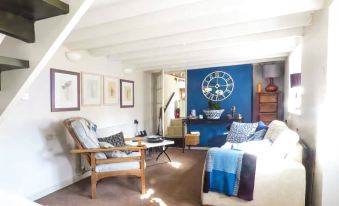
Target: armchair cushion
[
  {"x": 120, "y": 165},
  {"x": 87, "y": 136}
]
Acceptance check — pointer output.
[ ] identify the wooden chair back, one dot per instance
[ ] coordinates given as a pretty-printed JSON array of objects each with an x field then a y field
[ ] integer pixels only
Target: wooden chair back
[{"x": 67, "y": 123}]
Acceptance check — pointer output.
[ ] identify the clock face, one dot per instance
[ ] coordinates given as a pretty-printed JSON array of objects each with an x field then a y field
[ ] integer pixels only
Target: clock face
[{"x": 217, "y": 86}]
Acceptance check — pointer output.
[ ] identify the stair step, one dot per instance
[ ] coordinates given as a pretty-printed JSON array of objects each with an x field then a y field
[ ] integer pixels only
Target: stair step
[
  {"x": 18, "y": 16},
  {"x": 176, "y": 122},
  {"x": 8, "y": 63}
]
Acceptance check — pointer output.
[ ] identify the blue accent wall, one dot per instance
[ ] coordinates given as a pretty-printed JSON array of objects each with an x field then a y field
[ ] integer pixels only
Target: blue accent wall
[{"x": 241, "y": 97}]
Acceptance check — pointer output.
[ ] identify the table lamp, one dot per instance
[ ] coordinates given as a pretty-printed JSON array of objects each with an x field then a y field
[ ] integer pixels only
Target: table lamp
[{"x": 271, "y": 71}]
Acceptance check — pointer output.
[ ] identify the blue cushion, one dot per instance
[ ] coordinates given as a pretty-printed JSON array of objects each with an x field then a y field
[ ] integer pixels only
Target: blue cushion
[
  {"x": 261, "y": 125},
  {"x": 240, "y": 132},
  {"x": 258, "y": 135}
]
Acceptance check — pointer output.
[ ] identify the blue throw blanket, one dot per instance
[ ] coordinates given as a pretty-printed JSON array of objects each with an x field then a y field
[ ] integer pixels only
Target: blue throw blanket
[{"x": 231, "y": 172}]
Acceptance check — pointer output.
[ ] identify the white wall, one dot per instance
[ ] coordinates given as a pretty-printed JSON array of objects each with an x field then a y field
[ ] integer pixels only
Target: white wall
[
  {"x": 34, "y": 145},
  {"x": 314, "y": 66},
  {"x": 328, "y": 130}
]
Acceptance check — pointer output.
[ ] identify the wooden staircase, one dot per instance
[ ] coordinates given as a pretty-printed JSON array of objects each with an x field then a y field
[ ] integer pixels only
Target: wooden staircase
[
  {"x": 175, "y": 130},
  {"x": 17, "y": 18}
]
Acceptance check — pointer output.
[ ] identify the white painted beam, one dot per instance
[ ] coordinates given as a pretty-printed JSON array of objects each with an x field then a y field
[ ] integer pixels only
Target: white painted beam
[
  {"x": 265, "y": 46},
  {"x": 220, "y": 62},
  {"x": 274, "y": 24},
  {"x": 213, "y": 44},
  {"x": 104, "y": 12},
  {"x": 171, "y": 29}
]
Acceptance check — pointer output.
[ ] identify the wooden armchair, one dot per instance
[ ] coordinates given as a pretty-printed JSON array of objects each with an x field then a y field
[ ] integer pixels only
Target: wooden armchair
[{"x": 138, "y": 162}]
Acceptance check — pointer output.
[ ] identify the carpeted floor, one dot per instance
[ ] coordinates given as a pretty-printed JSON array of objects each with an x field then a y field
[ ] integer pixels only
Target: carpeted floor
[{"x": 178, "y": 183}]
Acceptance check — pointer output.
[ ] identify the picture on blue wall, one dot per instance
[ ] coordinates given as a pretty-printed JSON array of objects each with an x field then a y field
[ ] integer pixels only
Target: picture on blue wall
[{"x": 240, "y": 96}]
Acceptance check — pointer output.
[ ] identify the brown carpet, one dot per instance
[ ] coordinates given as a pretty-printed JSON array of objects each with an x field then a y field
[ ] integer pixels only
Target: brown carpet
[{"x": 171, "y": 186}]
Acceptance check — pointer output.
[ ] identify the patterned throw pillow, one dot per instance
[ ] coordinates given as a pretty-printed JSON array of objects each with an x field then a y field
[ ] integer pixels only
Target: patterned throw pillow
[
  {"x": 240, "y": 132},
  {"x": 117, "y": 140}
]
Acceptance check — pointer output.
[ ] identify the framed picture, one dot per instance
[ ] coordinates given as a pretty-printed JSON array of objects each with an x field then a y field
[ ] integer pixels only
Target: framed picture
[
  {"x": 111, "y": 90},
  {"x": 126, "y": 93},
  {"x": 90, "y": 89},
  {"x": 65, "y": 90}
]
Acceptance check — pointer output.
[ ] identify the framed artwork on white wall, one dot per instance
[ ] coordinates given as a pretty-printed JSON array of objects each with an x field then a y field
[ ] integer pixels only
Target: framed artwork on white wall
[
  {"x": 111, "y": 90},
  {"x": 126, "y": 93},
  {"x": 91, "y": 89},
  {"x": 65, "y": 90}
]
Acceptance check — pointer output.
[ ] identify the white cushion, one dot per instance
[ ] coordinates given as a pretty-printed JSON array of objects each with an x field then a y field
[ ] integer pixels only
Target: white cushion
[
  {"x": 120, "y": 165},
  {"x": 117, "y": 166},
  {"x": 274, "y": 129},
  {"x": 284, "y": 143}
]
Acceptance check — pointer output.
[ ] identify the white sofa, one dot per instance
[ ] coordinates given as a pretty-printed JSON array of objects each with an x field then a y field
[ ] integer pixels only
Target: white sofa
[{"x": 280, "y": 177}]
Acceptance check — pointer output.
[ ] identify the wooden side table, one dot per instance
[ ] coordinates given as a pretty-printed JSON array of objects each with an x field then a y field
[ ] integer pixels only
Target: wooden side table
[{"x": 192, "y": 139}]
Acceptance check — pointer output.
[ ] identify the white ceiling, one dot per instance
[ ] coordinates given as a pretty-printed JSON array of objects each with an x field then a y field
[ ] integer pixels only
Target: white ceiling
[{"x": 177, "y": 34}]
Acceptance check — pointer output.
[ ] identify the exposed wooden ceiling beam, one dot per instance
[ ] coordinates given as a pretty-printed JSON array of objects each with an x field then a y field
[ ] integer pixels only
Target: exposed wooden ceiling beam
[
  {"x": 118, "y": 10},
  {"x": 219, "y": 62},
  {"x": 115, "y": 46},
  {"x": 265, "y": 46},
  {"x": 213, "y": 44},
  {"x": 178, "y": 10}
]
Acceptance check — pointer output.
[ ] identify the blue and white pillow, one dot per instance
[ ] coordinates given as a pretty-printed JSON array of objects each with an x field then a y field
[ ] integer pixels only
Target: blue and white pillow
[{"x": 240, "y": 132}]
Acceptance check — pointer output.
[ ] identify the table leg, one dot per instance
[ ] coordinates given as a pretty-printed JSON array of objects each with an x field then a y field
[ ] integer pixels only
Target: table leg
[
  {"x": 183, "y": 144},
  {"x": 163, "y": 152}
]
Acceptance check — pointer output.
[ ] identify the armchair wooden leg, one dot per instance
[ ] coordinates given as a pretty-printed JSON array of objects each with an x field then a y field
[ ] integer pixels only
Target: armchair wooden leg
[
  {"x": 93, "y": 177},
  {"x": 94, "y": 184},
  {"x": 142, "y": 184}
]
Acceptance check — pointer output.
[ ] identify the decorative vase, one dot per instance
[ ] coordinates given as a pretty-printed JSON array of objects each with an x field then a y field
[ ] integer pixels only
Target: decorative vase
[
  {"x": 213, "y": 114},
  {"x": 271, "y": 87}
]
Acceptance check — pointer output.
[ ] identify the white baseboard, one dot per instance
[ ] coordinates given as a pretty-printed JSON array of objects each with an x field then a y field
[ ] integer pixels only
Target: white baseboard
[{"x": 57, "y": 187}]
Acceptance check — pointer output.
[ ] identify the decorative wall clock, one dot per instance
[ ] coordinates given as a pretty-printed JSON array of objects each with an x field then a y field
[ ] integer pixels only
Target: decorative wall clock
[{"x": 217, "y": 86}]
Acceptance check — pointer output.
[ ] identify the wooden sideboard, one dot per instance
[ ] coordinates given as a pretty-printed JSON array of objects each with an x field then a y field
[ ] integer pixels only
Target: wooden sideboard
[{"x": 267, "y": 106}]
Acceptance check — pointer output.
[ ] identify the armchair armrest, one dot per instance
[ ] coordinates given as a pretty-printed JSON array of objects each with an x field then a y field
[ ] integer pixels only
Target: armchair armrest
[{"x": 111, "y": 149}]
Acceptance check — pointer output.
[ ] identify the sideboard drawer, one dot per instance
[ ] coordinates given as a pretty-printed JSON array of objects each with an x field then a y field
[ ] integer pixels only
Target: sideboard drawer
[
  {"x": 268, "y": 117},
  {"x": 268, "y": 98},
  {"x": 268, "y": 107}
]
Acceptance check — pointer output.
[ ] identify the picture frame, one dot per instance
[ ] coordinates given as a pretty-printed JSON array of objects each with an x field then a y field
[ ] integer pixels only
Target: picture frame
[
  {"x": 65, "y": 90},
  {"x": 126, "y": 93},
  {"x": 91, "y": 89},
  {"x": 111, "y": 90}
]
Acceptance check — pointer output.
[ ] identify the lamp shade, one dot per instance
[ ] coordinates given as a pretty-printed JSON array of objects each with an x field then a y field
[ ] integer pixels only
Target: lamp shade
[{"x": 271, "y": 71}]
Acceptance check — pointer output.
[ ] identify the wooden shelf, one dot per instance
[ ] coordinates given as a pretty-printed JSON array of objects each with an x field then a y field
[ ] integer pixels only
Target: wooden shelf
[{"x": 267, "y": 106}]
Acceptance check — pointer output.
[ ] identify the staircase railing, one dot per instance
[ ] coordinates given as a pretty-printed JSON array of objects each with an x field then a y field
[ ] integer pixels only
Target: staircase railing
[{"x": 160, "y": 114}]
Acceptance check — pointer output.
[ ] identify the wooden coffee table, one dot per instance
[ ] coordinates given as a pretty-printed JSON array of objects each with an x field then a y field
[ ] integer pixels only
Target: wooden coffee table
[{"x": 163, "y": 145}]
